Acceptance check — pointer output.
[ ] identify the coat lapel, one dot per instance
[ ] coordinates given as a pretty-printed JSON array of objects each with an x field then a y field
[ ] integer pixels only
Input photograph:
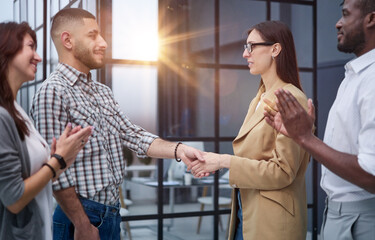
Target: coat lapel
[{"x": 255, "y": 115}]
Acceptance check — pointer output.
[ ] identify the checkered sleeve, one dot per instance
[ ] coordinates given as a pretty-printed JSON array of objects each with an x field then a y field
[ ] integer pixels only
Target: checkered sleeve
[{"x": 50, "y": 118}]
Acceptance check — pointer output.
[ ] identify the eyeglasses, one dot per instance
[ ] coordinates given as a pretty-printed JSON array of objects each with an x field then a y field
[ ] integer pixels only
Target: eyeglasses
[{"x": 249, "y": 46}]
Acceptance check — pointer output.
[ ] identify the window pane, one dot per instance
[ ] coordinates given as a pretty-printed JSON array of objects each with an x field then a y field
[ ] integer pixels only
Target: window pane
[
  {"x": 299, "y": 19},
  {"x": 24, "y": 103},
  {"x": 198, "y": 31},
  {"x": 307, "y": 83},
  {"x": 63, "y": 3},
  {"x": 237, "y": 89},
  {"x": 236, "y": 17},
  {"x": 31, "y": 89},
  {"x": 16, "y": 11},
  {"x": 39, "y": 12},
  {"x": 187, "y": 107},
  {"x": 135, "y": 89},
  {"x": 23, "y": 8},
  {"x": 31, "y": 13},
  {"x": 135, "y": 29},
  {"x": 6, "y": 11},
  {"x": 54, "y": 7},
  {"x": 39, "y": 50}
]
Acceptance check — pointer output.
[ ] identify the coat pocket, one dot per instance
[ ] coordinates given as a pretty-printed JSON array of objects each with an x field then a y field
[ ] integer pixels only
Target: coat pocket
[
  {"x": 282, "y": 198},
  {"x": 27, "y": 224}
]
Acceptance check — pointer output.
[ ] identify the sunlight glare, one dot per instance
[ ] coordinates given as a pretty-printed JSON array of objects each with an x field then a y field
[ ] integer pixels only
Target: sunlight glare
[{"x": 135, "y": 30}]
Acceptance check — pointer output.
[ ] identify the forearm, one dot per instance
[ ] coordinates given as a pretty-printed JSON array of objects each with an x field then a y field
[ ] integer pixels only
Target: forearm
[
  {"x": 34, "y": 184},
  {"x": 160, "y": 148},
  {"x": 342, "y": 164},
  {"x": 224, "y": 161},
  {"x": 72, "y": 207}
]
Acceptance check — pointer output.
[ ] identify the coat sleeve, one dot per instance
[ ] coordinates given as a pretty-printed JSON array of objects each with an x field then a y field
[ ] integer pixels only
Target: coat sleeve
[{"x": 11, "y": 181}]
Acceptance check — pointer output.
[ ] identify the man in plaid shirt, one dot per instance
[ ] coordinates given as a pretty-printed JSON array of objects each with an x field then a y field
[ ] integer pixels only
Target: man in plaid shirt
[{"x": 87, "y": 192}]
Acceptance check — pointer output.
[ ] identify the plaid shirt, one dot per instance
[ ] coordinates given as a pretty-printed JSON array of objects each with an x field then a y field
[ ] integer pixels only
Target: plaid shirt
[{"x": 71, "y": 96}]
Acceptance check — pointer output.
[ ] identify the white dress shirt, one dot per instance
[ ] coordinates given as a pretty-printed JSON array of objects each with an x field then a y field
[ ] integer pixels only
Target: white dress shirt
[{"x": 351, "y": 127}]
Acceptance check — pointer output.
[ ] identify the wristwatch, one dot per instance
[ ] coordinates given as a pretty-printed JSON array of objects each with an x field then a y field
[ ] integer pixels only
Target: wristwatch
[{"x": 60, "y": 159}]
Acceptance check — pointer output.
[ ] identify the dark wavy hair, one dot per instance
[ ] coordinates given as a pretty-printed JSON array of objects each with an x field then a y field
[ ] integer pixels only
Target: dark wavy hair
[
  {"x": 286, "y": 61},
  {"x": 11, "y": 42}
]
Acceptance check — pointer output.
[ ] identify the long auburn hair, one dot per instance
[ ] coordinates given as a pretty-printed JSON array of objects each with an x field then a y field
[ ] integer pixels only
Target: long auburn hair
[
  {"x": 11, "y": 42},
  {"x": 286, "y": 61}
]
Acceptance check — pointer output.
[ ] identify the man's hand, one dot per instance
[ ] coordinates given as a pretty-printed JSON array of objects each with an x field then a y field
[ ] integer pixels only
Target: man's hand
[
  {"x": 190, "y": 155},
  {"x": 292, "y": 119},
  {"x": 86, "y": 233}
]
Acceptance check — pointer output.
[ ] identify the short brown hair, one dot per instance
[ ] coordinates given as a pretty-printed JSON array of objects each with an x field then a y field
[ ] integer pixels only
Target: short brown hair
[{"x": 67, "y": 16}]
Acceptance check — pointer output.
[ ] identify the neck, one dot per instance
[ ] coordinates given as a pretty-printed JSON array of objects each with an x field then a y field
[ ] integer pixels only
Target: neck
[
  {"x": 269, "y": 78},
  {"x": 73, "y": 62}
]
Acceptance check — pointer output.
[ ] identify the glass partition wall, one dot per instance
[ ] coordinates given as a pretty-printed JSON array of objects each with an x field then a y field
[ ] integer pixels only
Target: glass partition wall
[{"x": 176, "y": 69}]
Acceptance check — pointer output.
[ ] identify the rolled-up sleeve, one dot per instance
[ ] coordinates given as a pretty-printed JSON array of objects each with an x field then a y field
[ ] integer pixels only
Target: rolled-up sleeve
[{"x": 134, "y": 137}]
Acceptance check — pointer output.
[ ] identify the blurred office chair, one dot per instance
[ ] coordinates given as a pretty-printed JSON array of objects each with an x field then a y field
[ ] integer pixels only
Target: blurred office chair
[
  {"x": 224, "y": 202},
  {"x": 125, "y": 203}
]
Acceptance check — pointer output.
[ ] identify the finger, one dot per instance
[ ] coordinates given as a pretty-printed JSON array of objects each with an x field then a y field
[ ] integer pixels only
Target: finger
[
  {"x": 269, "y": 116},
  {"x": 67, "y": 130},
  {"x": 195, "y": 168},
  {"x": 283, "y": 103},
  {"x": 75, "y": 130},
  {"x": 270, "y": 111},
  {"x": 83, "y": 133},
  {"x": 270, "y": 104},
  {"x": 192, "y": 164},
  {"x": 311, "y": 109},
  {"x": 199, "y": 155},
  {"x": 293, "y": 102},
  {"x": 280, "y": 101},
  {"x": 269, "y": 122}
]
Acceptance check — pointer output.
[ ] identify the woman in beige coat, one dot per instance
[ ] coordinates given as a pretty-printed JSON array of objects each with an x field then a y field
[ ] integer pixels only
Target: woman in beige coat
[{"x": 267, "y": 171}]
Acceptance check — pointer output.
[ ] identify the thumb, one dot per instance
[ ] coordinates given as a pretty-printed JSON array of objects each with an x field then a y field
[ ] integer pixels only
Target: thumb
[{"x": 199, "y": 156}]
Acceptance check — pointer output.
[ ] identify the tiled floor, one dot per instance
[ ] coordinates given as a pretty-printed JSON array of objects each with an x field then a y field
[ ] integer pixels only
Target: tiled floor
[{"x": 182, "y": 228}]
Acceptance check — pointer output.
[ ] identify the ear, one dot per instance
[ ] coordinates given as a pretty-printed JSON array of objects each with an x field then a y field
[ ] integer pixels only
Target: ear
[
  {"x": 370, "y": 20},
  {"x": 66, "y": 40},
  {"x": 276, "y": 49}
]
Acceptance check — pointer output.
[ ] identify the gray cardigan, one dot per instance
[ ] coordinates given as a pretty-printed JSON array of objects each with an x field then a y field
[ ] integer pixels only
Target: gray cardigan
[{"x": 14, "y": 168}]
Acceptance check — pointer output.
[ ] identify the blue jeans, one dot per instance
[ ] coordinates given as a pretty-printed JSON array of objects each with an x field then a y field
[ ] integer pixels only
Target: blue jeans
[
  {"x": 106, "y": 218},
  {"x": 239, "y": 233}
]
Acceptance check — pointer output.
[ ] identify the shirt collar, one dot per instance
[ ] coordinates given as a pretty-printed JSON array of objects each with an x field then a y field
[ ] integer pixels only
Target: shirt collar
[
  {"x": 360, "y": 63},
  {"x": 72, "y": 75}
]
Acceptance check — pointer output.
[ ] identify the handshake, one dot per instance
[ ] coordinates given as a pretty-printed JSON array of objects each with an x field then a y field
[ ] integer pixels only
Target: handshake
[{"x": 201, "y": 164}]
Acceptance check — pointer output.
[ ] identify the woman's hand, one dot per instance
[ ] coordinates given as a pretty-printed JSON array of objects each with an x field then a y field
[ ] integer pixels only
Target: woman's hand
[
  {"x": 71, "y": 142},
  {"x": 210, "y": 164}
]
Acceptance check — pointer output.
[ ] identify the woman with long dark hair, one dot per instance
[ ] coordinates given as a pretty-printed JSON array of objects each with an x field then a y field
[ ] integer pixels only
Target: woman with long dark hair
[
  {"x": 26, "y": 163},
  {"x": 267, "y": 171}
]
